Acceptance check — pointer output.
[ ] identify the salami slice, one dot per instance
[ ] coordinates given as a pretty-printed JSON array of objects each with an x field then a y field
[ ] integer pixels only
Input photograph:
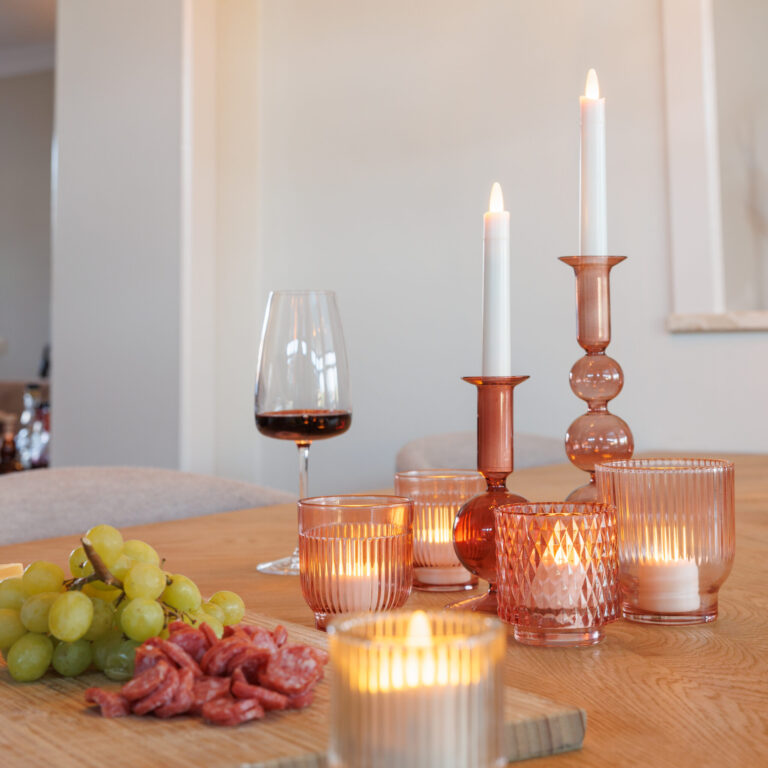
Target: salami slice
[
  {"x": 229, "y": 711},
  {"x": 291, "y": 670},
  {"x": 209, "y": 634},
  {"x": 255, "y": 656},
  {"x": 146, "y": 658},
  {"x": 280, "y": 635},
  {"x": 111, "y": 704},
  {"x": 182, "y": 698},
  {"x": 146, "y": 682},
  {"x": 301, "y": 700},
  {"x": 206, "y": 689},
  {"x": 216, "y": 658},
  {"x": 269, "y": 700},
  {"x": 161, "y": 696},
  {"x": 193, "y": 641},
  {"x": 180, "y": 658}
]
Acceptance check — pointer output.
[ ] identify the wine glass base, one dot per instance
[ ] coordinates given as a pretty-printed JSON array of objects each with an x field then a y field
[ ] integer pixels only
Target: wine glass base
[
  {"x": 486, "y": 603},
  {"x": 285, "y": 566}
]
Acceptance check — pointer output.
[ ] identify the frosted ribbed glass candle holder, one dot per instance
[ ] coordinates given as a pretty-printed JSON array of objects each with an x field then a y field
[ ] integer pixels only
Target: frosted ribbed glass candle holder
[
  {"x": 437, "y": 496},
  {"x": 676, "y": 535},
  {"x": 417, "y": 690},
  {"x": 355, "y": 554},
  {"x": 558, "y": 571}
]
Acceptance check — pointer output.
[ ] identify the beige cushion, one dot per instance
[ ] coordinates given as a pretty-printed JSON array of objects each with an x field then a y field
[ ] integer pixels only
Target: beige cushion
[
  {"x": 55, "y": 502},
  {"x": 458, "y": 450}
]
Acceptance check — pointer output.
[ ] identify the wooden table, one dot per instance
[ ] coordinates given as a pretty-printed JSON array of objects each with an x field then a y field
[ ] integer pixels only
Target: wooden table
[{"x": 654, "y": 695}]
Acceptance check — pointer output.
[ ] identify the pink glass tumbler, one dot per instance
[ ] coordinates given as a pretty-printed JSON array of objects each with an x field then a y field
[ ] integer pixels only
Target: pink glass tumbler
[
  {"x": 355, "y": 554},
  {"x": 676, "y": 535},
  {"x": 437, "y": 496},
  {"x": 558, "y": 571}
]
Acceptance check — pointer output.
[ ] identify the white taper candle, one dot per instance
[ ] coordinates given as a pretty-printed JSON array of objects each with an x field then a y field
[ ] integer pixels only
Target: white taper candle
[
  {"x": 593, "y": 222},
  {"x": 497, "y": 300}
]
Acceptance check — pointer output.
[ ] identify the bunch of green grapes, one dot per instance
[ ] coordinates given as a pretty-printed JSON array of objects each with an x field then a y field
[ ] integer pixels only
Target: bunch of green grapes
[{"x": 72, "y": 624}]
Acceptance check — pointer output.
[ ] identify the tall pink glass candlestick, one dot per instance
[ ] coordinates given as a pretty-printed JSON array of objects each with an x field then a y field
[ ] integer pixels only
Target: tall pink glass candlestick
[{"x": 597, "y": 435}]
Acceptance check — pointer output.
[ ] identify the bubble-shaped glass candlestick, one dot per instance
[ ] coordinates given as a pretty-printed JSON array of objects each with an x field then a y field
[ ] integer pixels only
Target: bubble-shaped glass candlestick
[
  {"x": 474, "y": 531},
  {"x": 597, "y": 435}
]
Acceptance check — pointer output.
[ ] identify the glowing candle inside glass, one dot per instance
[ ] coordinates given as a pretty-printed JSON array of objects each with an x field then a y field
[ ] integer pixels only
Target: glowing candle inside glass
[
  {"x": 416, "y": 690},
  {"x": 560, "y": 576},
  {"x": 667, "y": 578}
]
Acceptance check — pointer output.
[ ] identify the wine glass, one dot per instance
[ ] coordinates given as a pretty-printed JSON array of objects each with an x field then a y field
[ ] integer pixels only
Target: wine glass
[{"x": 302, "y": 384}]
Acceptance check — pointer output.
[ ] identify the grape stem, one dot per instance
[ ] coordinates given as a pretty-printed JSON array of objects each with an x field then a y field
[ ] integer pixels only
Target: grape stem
[{"x": 100, "y": 571}]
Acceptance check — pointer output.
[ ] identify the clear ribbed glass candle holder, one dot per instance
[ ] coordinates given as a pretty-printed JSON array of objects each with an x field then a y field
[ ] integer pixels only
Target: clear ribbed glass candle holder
[
  {"x": 355, "y": 553},
  {"x": 558, "y": 571},
  {"x": 437, "y": 496},
  {"x": 417, "y": 690},
  {"x": 676, "y": 535}
]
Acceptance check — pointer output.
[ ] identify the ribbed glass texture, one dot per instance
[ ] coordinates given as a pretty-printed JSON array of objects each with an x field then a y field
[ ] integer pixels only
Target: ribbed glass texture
[
  {"x": 356, "y": 553},
  {"x": 676, "y": 535},
  {"x": 417, "y": 690},
  {"x": 437, "y": 496},
  {"x": 558, "y": 571}
]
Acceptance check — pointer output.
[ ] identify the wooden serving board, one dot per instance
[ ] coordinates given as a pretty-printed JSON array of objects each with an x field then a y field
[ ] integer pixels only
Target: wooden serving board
[{"x": 48, "y": 723}]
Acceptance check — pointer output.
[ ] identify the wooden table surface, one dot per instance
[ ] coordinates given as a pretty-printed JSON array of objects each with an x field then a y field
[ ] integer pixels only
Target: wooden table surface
[{"x": 665, "y": 696}]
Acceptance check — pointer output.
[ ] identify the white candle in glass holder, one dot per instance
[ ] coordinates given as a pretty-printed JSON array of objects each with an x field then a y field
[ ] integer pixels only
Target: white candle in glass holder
[
  {"x": 667, "y": 578},
  {"x": 559, "y": 578}
]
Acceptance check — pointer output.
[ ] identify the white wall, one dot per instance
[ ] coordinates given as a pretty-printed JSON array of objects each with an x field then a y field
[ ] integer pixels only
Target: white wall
[
  {"x": 26, "y": 124},
  {"x": 381, "y": 129},
  {"x": 133, "y": 257}
]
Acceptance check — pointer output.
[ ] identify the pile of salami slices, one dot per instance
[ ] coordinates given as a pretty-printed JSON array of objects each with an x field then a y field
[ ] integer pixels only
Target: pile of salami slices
[{"x": 247, "y": 673}]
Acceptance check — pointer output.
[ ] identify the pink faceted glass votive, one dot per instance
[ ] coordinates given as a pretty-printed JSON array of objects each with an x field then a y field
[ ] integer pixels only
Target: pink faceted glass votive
[
  {"x": 355, "y": 553},
  {"x": 558, "y": 571},
  {"x": 437, "y": 496},
  {"x": 676, "y": 535}
]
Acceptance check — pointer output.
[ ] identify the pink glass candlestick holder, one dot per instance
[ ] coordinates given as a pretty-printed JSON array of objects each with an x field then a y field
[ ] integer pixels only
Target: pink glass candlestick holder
[
  {"x": 474, "y": 531},
  {"x": 437, "y": 496},
  {"x": 676, "y": 535},
  {"x": 597, "y": 435},
  {"x": 558, "y": 571},
  {"x": 355, "y": 554}
]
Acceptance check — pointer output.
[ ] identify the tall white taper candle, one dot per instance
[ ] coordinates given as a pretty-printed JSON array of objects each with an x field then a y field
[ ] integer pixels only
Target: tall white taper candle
[
  {"x": 497, "y": 301},
  {"x": 593, "y": 229}
]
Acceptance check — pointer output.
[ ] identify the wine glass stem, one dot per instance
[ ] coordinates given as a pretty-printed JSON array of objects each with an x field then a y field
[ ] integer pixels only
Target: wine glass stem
[{"x": 303, "y": 469}]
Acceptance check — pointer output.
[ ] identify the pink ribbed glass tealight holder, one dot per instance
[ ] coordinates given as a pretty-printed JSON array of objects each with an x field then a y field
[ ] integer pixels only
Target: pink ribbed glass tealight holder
[
  {"x": 558, "y": 571},
  {"x": 355, "y": 553},
  {"x": 437, "y": 496},
  {"x": 417, "y": 690},
  {"x": 676, "y": 535}
]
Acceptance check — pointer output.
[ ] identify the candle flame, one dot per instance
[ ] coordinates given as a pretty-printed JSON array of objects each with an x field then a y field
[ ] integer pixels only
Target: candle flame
[
  {"x": 497, "y": 199},
  {"x": 419, "y": 631},
  {"x": 592, "y": 89},
  {"x": 562, "y": 555}
]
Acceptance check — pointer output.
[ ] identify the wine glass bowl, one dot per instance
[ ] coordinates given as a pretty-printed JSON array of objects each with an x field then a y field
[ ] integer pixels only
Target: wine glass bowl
[{"x": 302, "y": 383}]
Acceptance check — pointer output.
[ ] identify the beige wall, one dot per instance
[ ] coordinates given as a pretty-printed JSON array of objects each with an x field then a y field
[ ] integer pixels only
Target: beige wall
[{"x": 26, "y": 119}]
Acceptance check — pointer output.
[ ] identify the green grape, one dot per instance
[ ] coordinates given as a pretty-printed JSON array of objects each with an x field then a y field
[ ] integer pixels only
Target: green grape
[
  {"x": 144, "y": 580},
  {"x": 102, "y": 591},
  {"x": 182, "y": 594},
  {"x": 103, "y": 619},
  {"x": 119, "y": 661},
  {"x": 41, "y": 576},
  {"x": 142, "y": 618},
  {"x": 12, "y": 593},
  {"x": 200, "y": 617},
  {"x": 35, "y": 612},
  {"x": 232, "y": 605},
  {"x": 213, "y": 610},
  {"x": 29, "y": 657},
  {"x": 103, "y": 645},
  {"x": 70, "y": 617},
  {"x": 71, "y": 659},
  {"x": 121, "y": 566},
  {"x": 11, "y": 628},
  {"x": 141, "y": 552},
  {"x": 79, "y": 564},
  {"x": 107, "y": 541}
]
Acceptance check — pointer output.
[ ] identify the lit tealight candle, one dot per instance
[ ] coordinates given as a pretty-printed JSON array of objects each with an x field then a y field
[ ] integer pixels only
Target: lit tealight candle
[
  {"x": 416, "y": 691},
  {"x": 560, "y": 577}
]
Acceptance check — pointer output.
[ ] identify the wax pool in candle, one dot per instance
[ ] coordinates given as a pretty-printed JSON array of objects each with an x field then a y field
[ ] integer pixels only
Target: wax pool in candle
[
  {"x": 497, "y": 300},
  {"x": 593, "y": 220},
  {"x": 560, "y": 576}
]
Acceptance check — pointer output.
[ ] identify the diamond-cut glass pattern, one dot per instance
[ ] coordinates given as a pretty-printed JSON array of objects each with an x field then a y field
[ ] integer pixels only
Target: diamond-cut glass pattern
[{"x": 557, "y": 565}]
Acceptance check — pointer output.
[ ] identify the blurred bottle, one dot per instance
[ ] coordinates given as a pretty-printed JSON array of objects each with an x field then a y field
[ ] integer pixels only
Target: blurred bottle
[
  {"x": 34, "y": 436},
  {"x": 9, "y": 457}
]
